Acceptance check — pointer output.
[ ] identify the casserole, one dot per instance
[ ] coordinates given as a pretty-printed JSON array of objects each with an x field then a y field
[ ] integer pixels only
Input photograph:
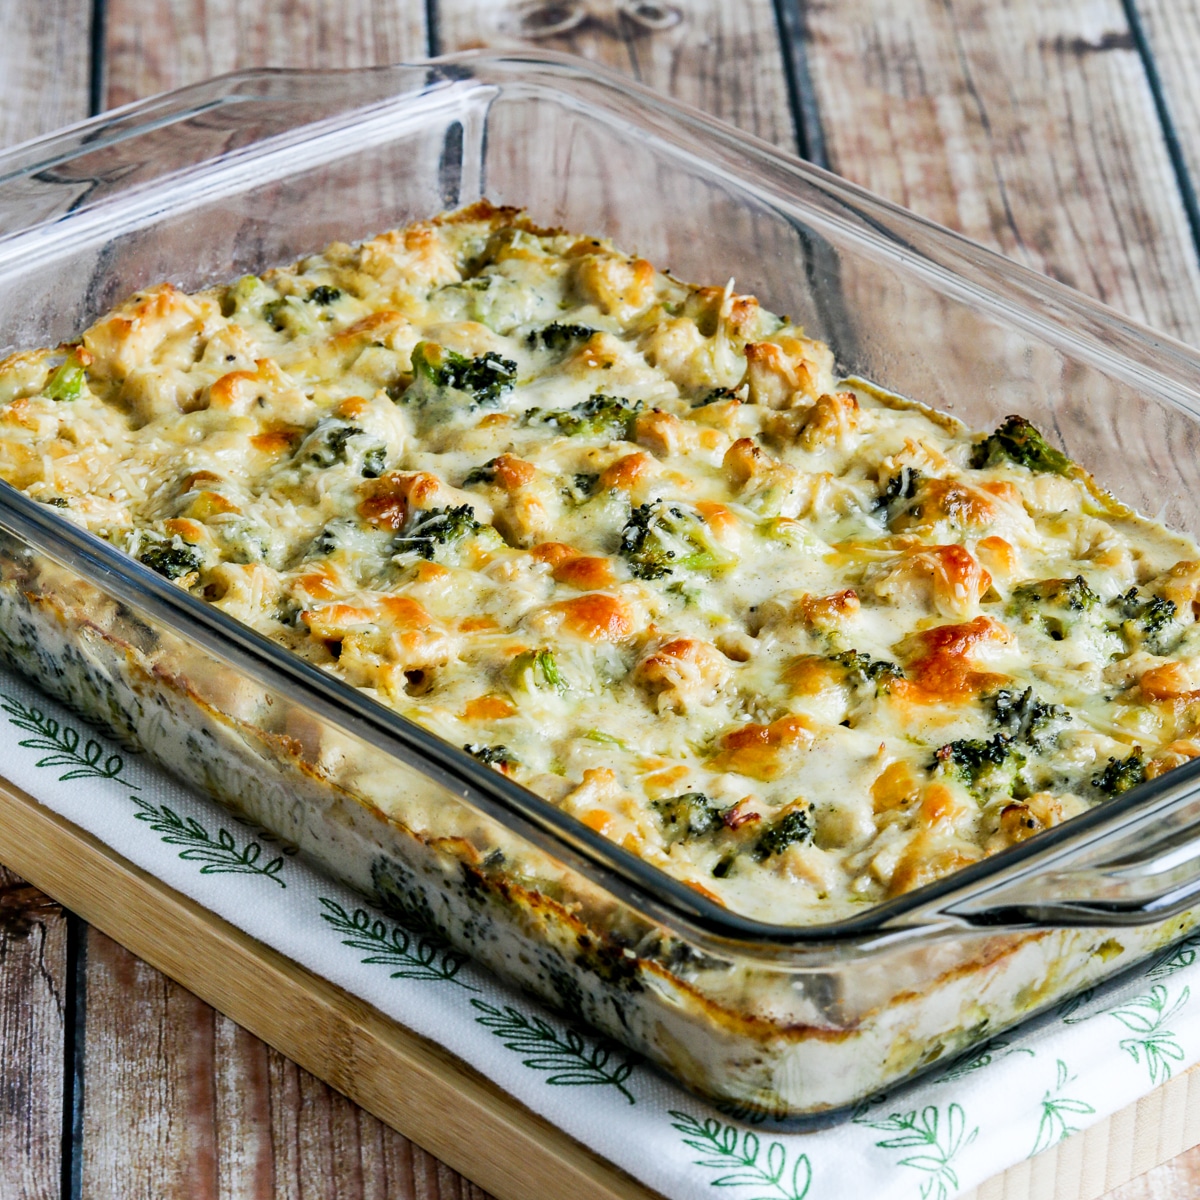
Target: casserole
[{"x": 781, "y": 1020}]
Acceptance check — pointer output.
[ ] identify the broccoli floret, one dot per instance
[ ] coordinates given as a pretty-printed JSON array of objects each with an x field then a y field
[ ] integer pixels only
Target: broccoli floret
[
  {"x": 584, "y": 484},
  {"x": 1055, "y": 603},
  {"x": 326, "y": 445},
  {"x": 981, "y": 764},
  {"x": 1025, "y": 718},
  {"x": 1151, "y": 621},
  {"x": 862, "y": 668},
  {"x": 660, "y": 537},
  {"x": 374, "y": 462},
  {"x": 688, "y": 816},
  {"x": 1018, "y": 441},
  {"x": 67, "y": 381},
  {"x": 1073, "y": 594},
  {"x": 499, "y": 755},
  {"x": 1121, "y": 774},
  {"x": 791, "y": 828},
  {"x": 172, "y": 560},
  {"x": 558, "y": 336},
  {"x": 901, "y": 486},
  {"x": 485, "y": 378},
  {"x": 438, "y": 527},
  {"x": 323, "y": 294},
  {"x": 715, "y": 396},
  {"x": 597, "y": 416},
  {"x": 484, "y": 474},
  {"x": 539, "y": 669}
]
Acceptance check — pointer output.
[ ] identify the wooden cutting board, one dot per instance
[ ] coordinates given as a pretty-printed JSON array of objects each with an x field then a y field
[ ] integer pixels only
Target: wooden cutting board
[{"x": 421, "y": 1089}]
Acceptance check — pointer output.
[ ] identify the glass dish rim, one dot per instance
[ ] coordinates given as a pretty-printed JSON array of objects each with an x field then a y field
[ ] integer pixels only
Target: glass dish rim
[{"x": 645, "y": 888}]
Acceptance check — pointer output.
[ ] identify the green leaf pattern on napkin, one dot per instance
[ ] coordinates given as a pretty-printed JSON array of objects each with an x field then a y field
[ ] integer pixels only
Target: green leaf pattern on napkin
[
  {"x": 931, "y": 1140},
  {"x": 1057, "y": 1113},
  {"x": 413, "y": 955},
  {"x": 937, "y": 1137},
  {"x": 220, "y": 855},
  {"x": 738, "y": 1157},
  {"x": 84, "y": 759},
  {"x": 569, "y": 1057}
]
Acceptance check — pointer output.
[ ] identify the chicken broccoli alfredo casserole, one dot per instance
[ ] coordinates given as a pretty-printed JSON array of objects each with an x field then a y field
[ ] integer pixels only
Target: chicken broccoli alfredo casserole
[{"x": 801, "y": 644}]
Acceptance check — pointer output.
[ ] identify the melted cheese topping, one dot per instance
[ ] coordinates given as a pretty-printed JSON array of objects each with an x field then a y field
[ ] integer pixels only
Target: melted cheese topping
[{"x": 800, "y": 643}]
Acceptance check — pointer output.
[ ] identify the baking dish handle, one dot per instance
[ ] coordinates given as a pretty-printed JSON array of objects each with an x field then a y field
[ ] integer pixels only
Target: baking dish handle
[{"x": 1128, "y": 872}]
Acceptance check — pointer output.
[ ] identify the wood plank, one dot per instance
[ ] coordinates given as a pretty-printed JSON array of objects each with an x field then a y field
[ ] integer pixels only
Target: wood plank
[
  {"x": 1169, "y": 38},
  {"x": 44, "y": 66},
  {"x": 1028, "y": 126},
  {"x": 418, "y": 1087},
  {"x": 33, "y": 988},
  {"x": 156, "y": 45},
  {"x": 406, "y": 1081},
  {"x": 721, "y": 57}
]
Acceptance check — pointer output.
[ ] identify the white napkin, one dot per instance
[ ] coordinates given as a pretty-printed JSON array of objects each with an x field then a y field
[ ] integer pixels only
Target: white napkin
[{"x": 1009, "y": 1100}]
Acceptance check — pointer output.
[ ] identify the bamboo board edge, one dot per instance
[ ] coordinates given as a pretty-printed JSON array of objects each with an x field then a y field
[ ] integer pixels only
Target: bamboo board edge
[{"x": 425, "y": 1092}]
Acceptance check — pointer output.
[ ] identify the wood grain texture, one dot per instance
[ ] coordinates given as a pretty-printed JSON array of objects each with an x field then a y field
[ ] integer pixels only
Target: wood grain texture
[
  {"x": 44, "y": 66},
  {"x": 410, "y": 1083},
  {"x": 155, "y": 45},
  {"x": 1171, "y": 29},
  {"x": 33, "y": 968},
  {"x": 1028, "y": 126},
  {"x": 718, "y": 56}
]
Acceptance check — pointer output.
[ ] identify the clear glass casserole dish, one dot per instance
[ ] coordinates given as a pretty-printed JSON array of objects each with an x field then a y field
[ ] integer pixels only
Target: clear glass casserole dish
[{"x": 794, "y": 1022}]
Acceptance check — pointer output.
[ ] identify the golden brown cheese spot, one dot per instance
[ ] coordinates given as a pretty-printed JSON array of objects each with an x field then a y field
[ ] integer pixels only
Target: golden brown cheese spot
[
  {"x": 596, "y": 617},
  {"x": 413, "y": 256},
  {"x": 133, "y": 332},
  {"x": 512, "y": 472},
  {"x": 569, "y": 566},
  {"x": 743, "y": 460},
  {"x": 276, "y": 441},
  {"x": 830, "y": 421},
  {"x": 812, "y": 675},
  {"x": 488, "y": 708},
  {"x": 829, "y": 612},
  {"x": 949, "y": 500},
  {"x": 895, "y": 787},
  {"x": 763, "y": 751},
  {"x": 665, "y": 434},
  {"x": 998, "y": 556},
  {"x": 943, "y": 577},
  {"x": 782, "y": 374},
  {"x": 683, "y": 673},
  {"x": 1181, "y": 585},
  {"x": 927, "y": 858},
  {"x": 629, "y": 473},
  {"x": 616, "y": 285},
  {"x": 1171, "y": 681},
  {"x": 944, "y": 667}
]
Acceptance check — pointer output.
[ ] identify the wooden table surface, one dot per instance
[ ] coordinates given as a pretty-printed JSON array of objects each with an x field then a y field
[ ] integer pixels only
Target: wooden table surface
[{"x": 1063, "y": 133}]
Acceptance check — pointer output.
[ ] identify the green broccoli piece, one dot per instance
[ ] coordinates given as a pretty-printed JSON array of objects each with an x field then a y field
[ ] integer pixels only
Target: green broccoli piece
[
  {"x": 862, "y": 668},
  {"x": 172, "y": 560},
  {"x": 1055, "y": 603},
  {"x": 374, "y": 462},
  {"x": 597, "y": 416},
  {"x": 323, "y": 294},
  {"x": 1073, "y": 594},
  {"x": 981, "y": 764},
  {"x": 690, "y": 815},
  {"x": 715, "y": 396},
  {"x": 660, "y": 537},
  {"x": 539, "y": 669},
  {"x": 1019, "y": 442},
  {"x": 326, "y": 445},
  {"x": 436, "y": 528},
  {"x": 66, "y": 383},
  {"x": 1151, "y": 621},
  {"x": 484, "y": 474},
  {"x": 791, "y": 828},
  {"x": 901, "y": 486},
  {"x": 498, "y": 755},
  {"x": 558, "y": 336},
  {"x": 485, "y": 378},
  {"x": 1025, "y": 718},
  {"x": 1121, "y": 774}
]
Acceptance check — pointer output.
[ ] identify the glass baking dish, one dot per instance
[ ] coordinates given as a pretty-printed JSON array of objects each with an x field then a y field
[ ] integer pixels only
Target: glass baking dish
[{"x": 787, "y": 1023}]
